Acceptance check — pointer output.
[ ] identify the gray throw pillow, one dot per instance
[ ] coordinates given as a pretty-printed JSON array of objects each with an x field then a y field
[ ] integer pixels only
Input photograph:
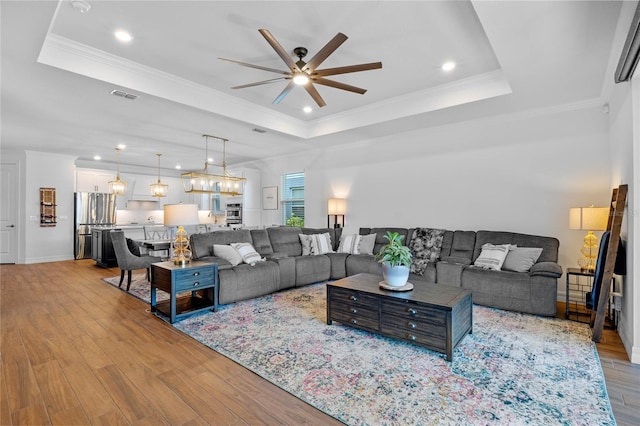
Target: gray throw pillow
[
  {"x": 227, "y": 253},
  {"x": 367, "y": 243},
  {"x": 521, "y": 259}
]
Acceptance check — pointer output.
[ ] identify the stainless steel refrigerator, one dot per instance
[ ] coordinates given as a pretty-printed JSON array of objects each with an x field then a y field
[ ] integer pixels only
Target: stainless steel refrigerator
[{"x": 91, "y": 209}]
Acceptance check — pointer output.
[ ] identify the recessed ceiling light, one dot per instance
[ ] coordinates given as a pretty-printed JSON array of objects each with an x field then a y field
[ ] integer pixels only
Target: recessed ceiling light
[
  {"x": 121, "y": 146},
  {"x": 178, "y": 166},
  {"x": 97, "y": 157},
  {"x": 448, "y": 66},
  {"x": 210, "y": 160},
  {"x": 307, "y": 109},
  {"x": 123, "y": 36}
]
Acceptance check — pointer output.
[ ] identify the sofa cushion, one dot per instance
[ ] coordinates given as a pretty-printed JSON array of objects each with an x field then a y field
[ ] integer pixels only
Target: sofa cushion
[
  {"x": 425, "y": 245},
  {"x": 521, "y": 259},
  {"x": 248, "y": 253},
  {"x": 261, "y": 241},
  {"x": 227, "y": 253},
  {"x": 312, "y": 269},
  {"x": 549, "y": 245},
  {"x": 284, "y": 239},
  {"x": 492, "y": 256},
  {"x": 463, "y": 244}
]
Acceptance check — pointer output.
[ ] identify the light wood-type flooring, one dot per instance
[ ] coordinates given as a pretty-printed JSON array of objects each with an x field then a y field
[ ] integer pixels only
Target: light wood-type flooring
[{"x": 76, "y": 351}]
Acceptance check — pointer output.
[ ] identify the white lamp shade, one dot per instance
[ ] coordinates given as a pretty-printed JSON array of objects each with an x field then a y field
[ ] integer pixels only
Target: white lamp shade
[
  {"x": 589, "y": 218},
  {"x": 181, "y": 214},
  {"x": 337, "y": 206}
]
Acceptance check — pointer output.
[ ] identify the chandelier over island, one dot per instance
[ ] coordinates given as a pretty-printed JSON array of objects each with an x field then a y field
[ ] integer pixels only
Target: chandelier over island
[{"x": 203, "y": 182}]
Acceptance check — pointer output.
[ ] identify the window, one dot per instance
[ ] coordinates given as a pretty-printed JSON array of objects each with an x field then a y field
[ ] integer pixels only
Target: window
[{"x": 293, "y": 199}]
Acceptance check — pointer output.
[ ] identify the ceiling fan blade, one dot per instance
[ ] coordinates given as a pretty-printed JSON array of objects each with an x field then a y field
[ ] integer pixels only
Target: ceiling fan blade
[
  {"x": 315, "y": 95},
  {"x": 324, "y": 53},
  {"x": 259, "y": 83},
  {"x": 284, "y": 93},
  {"x": 338, "y": 85},
  {"x": 244, "y": 64},
  {"x": 279, "y": 49},
  {"x": 347, "y": 69}
]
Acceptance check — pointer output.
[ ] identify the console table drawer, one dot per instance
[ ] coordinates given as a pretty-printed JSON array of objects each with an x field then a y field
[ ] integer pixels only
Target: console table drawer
[
  {"x": 193, "y": 278},
  {"x": 412, "y": 311},
  {"x": 353, "y": 297}
]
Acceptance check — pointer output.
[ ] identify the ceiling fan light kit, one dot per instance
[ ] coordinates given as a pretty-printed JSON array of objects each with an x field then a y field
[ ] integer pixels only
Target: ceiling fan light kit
[{"x": 306, "y": 74}]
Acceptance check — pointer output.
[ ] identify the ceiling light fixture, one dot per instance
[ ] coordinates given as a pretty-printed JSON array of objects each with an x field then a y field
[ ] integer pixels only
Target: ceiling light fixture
[
  {"x": 448, "y": 66},
  {"x": 80, "y": 5},
  {"x": 159, "y": 189},
  {"x": 117, "y": 186},
  {"x": 205, "y": 183},
  {"x": 301, "y": 79},
  {"x": 307, "y": 109},
  {"x": 97, "y": 157},
  {"x": 123, "y": 36}
]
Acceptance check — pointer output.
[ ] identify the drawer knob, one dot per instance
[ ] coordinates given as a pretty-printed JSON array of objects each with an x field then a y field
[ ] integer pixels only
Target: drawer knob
[
  {"x": 411, "y": 324},
  {"x": 353, "y": 297},
  {"x": 411, "y": 337},
  {"x": 412, "y": 311},
  {"x": 195, "y": 274},
  {"x": 354, "y": 321},
  {"x": 196, "y": 283},
  {"x": 354, "y": 311}
]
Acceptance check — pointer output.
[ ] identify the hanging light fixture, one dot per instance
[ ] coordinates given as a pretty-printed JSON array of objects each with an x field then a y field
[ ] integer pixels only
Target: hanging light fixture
[
  {"x": 159, "y": 189},
  {"x": 117, "y": 186},
  {"x": 206, "y": 183}
]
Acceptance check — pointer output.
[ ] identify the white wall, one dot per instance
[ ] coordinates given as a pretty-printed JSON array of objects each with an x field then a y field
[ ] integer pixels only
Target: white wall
[
  {"x": 625, "y": 160},
  {"x": 514, "y": 173},
  {"x": 51, "y": 243}
]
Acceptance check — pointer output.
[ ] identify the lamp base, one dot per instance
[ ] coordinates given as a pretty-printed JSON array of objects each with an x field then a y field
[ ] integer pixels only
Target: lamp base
[{"x": 181, "y": 261}]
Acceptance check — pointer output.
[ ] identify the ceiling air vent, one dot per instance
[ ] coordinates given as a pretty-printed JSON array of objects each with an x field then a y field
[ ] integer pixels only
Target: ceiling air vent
[
  {"x": 255, "y": 129},
  {"x": 124, "y": 94}
]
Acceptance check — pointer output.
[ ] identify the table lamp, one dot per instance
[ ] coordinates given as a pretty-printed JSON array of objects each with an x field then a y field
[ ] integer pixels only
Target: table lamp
[
  {"x": 180, "y": 215},
  {"x": 589, "y": 219},
  {"x": 336, "y": 207}
]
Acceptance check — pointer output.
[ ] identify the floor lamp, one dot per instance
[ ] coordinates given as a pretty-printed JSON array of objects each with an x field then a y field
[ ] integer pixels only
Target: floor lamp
[{"x": 336, "y": 207}]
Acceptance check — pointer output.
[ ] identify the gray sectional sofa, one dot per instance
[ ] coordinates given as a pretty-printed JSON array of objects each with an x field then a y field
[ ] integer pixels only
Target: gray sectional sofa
[{"x": 533, "y": 291}]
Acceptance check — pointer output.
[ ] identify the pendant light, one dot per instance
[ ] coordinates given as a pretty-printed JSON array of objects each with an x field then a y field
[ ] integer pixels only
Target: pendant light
[
  {"x": 117, "y": 186},
  {"x": 159, "y": 189}
]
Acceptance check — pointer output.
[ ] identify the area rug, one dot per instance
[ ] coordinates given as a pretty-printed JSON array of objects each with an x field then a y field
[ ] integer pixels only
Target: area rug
[
  {"x": 140, "y": 287},
  {"x": 514, "y": 369}
]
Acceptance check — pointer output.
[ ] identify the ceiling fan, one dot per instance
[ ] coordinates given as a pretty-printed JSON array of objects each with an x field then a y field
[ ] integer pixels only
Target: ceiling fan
[{"x": 306, "y": 74}]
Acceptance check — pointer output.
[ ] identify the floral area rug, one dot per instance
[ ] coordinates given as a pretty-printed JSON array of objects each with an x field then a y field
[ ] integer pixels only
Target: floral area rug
[
  {"x": 140, "y": 287},
  {"x": 514, "y": 369}
]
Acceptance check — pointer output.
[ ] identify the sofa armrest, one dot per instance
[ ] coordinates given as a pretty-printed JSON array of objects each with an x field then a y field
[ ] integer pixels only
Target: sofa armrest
[
  {"x": 546, "y": 269},
  {"x": 454, "y": 259}
]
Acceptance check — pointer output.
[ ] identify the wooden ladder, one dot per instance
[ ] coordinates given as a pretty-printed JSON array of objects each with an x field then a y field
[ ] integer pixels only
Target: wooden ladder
[{"x": 616, "y": 209}]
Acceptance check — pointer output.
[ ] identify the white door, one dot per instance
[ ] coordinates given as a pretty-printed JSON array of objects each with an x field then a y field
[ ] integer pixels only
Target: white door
[{"x": 8, "y": 213}]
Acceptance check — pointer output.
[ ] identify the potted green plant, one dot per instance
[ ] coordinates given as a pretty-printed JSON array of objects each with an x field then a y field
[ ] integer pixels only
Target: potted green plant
[{"x": 395, "y": 259}]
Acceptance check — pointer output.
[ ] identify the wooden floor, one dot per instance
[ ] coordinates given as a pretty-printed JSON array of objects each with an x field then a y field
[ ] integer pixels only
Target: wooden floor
[{"x": 76, "y": 351}]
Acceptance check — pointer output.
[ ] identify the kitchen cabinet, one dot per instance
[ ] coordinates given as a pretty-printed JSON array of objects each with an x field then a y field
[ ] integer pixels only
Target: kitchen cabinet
[{"x": 89, "y": 180}]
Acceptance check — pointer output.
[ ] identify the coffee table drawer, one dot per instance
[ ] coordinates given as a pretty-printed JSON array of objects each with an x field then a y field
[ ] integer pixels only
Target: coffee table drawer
[
  {"x": 356, "y": 320},
  {"x": 411, "y": 311},
  {"x": 420, "y": 336},
  {"x": 193, "y": 278},
  {"x": 355, "y": 310},
  {"x": 353, "y": 297}
]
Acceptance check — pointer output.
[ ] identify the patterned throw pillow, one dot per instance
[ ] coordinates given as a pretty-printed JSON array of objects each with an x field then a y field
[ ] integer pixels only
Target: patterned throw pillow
[
  {"x": 321, "y": 244},
  {"x": 350, "y": 244},
  {"x": 248, "y": 253},
  {"x": 492, "y": 256},
  {"x": 425, "y": 246},
  {"x": 305, "y": 240}
]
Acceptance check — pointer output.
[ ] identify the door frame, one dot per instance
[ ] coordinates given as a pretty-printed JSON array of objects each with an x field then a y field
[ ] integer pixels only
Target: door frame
[{"x": 14, "y": 249}]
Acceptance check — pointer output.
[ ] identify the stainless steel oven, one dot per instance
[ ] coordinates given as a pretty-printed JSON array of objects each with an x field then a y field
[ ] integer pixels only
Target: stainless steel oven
[{"x": 234, "y": 213}]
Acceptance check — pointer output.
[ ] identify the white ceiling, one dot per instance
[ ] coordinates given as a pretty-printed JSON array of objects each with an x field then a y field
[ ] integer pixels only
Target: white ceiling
[{"x": 59, "y": 66}]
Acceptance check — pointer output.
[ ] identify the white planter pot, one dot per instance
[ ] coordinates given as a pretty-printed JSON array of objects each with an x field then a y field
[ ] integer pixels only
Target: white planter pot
[{"x": 395, "y": 276}]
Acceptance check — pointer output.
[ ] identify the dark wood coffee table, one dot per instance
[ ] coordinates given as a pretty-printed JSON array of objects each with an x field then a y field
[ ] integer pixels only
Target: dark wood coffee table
[{"x": 435, "y": 316}]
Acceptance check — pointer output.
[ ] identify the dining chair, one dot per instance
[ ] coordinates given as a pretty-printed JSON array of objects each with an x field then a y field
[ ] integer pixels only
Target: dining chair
[
  {"x": 127, "y": 261},
  {"x": 157, "y": 232}
]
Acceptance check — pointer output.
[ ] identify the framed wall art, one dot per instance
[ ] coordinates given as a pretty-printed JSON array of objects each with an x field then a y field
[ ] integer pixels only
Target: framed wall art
[{"x": 270, "y": 198}]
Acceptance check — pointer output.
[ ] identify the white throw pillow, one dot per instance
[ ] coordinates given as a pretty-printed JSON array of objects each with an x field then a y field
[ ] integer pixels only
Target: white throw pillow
[
  {"x": 228, "y": 253},
  {"x": 492, "y": 256},
  {"x": 248, "y": 253},
  {"x": 521, "y": 259},
  {"x": 321, "y": 244},
  {"x": 305, "y": 240},
  {"x": 350, "y": 244}
]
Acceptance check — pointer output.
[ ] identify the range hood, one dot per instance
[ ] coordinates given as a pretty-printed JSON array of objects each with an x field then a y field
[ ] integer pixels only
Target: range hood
[{"x": 140, "y": 191}]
